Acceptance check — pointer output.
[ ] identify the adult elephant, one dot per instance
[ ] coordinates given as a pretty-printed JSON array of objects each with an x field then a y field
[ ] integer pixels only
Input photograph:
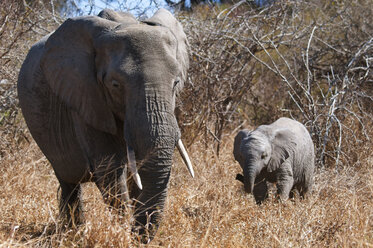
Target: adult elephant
[{"x": 98, "y": 96}]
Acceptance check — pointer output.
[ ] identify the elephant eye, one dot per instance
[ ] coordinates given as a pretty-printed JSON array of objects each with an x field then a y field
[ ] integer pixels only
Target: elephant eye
[
  {"x": 176, "y": 82},
  {"x": 264, "y": 155},
  {"x": 115, "y": 83}
]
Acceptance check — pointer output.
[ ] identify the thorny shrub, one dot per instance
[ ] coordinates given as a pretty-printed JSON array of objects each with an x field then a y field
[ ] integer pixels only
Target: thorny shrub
[
  {"x": 21, "y": 25},
  {"x": 310, "y": 60}
]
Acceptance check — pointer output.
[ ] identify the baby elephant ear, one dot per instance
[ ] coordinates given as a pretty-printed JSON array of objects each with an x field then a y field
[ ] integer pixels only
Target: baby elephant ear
[
  {"x": 68, "y": 65},
  {"x": 164, "y": 18},
  {"x": 283, "y": 144},
  {"x": 237, "y": 144}
]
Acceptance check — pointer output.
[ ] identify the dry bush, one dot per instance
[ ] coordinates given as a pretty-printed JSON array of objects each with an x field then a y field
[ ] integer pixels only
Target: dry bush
[
  {"x": 21, "y": 25},
  {"x": 311, "y": 60}
]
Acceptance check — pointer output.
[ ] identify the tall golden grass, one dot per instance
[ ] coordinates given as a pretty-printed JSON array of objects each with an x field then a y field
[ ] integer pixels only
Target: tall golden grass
[{"x": 210, "y": 210}]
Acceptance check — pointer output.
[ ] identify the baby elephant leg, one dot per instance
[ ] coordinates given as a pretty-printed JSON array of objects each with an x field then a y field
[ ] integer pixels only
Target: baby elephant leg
[
  {"x": 306, "y": 187},
  {"x": 304, "y": 190},
  {"x": 285, "y": 181}
]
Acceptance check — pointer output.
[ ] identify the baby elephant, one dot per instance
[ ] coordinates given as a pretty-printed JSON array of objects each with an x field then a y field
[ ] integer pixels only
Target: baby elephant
[{"x": 280, "y": 153}]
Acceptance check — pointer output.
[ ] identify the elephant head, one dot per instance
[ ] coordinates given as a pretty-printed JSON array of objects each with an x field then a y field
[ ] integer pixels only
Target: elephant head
[
  {"x": 261, "y": 152},
  {"x": 113, "y": 69}
]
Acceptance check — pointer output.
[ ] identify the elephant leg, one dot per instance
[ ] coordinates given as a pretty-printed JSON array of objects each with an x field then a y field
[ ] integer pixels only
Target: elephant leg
[
  {"x": 284, "y": 189},
  {"x": 113, "y": 187},
  {"x": 306, "y": 186},
  {"x": 285, "y": 181},
  {"x": 303, "y": 190},
  {"x": 260, "y": 190},
  {"x": 70, "y": 206},
  {"x": 294, "y": 192}
]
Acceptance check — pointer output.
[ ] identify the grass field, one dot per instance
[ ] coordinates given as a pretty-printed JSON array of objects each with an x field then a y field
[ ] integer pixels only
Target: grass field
[{"x": 210, "y": 210}]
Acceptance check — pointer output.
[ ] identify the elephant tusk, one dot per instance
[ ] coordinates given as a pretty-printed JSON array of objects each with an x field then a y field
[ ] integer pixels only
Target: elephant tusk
[
  {"x": 185, "y": 157},
  {"x": 123, "y": 184},
  {"x": 132, "y": 165}
]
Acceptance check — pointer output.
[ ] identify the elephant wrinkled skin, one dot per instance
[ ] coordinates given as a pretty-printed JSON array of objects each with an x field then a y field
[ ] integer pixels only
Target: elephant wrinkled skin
[
  {"x": 98, "y": 96},
  {"x": 281, "y": 153}
]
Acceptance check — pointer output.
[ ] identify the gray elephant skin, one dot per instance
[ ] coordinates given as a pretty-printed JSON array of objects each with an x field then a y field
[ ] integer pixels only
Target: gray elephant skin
[
  {"x": 98, "y": 96},
  {"x": 281, "y": 153}
]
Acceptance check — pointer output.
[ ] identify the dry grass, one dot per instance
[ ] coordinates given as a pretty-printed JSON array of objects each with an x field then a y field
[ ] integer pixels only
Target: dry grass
[{"x": 208, "y": 211}]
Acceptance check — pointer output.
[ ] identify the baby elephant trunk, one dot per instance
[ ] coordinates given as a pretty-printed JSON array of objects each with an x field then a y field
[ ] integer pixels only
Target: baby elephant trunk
[{"x": 249, "y": 179}]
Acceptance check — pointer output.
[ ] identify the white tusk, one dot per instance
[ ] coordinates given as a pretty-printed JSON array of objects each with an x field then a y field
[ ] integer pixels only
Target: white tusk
[
  {"x": 132, "y": 165},
  {"x": 123, "y": 186},
  {"x": 185, "y": 157}
]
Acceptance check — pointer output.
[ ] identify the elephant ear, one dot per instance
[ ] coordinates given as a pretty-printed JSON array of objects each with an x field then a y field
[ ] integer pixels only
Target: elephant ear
[
  {"x": 283, "y": 144},
  {"x": 125, "y": 18},
  {"x": 68, "y": 65},
  {"x": 164, "y": 18},
  {"x": 237, "y": 152}
]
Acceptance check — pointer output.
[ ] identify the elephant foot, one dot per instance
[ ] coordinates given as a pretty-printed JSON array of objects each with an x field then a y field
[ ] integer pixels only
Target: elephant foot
[
  {"x": 143, "y": 235},
  {"x": 70, "y": 206},
  {"x": 71, "y": 217}
]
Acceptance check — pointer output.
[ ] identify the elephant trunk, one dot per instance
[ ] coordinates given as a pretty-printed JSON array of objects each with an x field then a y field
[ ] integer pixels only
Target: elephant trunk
[
  {"x": 155, "y": 174},
  {"x": 249, "y": 184},
  {"x": 250, "y": 174},
  {"x": 154, "y": 167},
  {"x": 151, "y": 131}
]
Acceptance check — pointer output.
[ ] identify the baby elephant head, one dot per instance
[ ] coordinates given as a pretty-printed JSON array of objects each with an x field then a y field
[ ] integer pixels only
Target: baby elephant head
[{"x": 261, "y": 152}]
